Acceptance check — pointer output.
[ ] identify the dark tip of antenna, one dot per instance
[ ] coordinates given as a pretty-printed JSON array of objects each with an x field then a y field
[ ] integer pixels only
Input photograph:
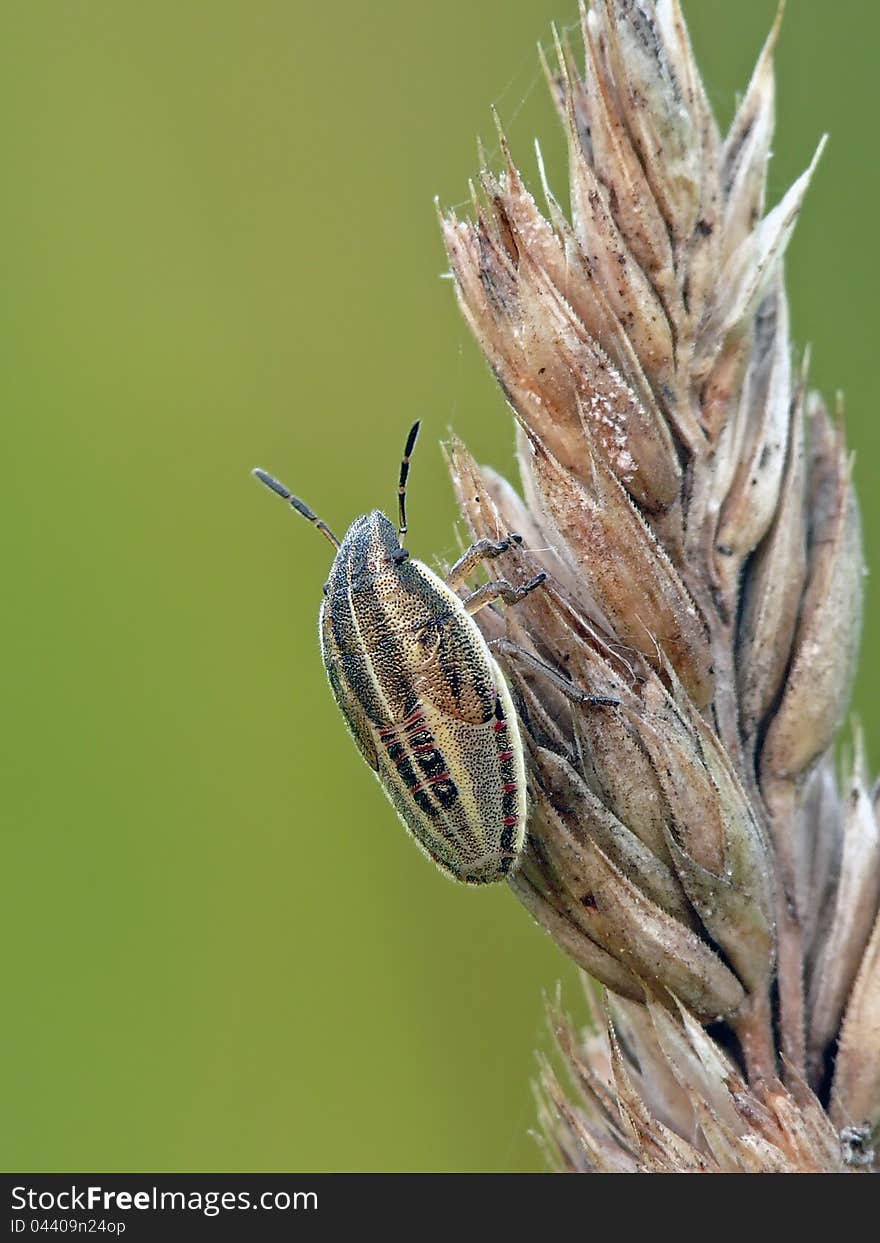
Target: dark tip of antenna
[
  {"x": 268, "y": 480},
  {"x": 404, "y": 475},
  {"x": 412, "y": 438}
]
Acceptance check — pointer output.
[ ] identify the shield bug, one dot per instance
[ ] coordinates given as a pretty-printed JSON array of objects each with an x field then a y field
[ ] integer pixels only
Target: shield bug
[{"x": 421, "y": 693}]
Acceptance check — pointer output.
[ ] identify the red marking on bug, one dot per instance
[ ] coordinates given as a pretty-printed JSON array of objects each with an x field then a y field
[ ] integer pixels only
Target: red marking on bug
[
  {"x": 389, "y": 731},
  {"x": 429, "y": 781},
  {"x": 508, "y": 787},
  {"x": 510, "y": 820},
  {"x": 505, "y": 755},
  {"x": 425, "y": 746},
  {"x": 499, "y": 726}
]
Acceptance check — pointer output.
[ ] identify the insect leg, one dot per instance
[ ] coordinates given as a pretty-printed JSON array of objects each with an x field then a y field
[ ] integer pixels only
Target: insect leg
[
  {"x": 509, "y": 648},
  {"x": 500, "y": 589},
  {"x": 481, "y": 551}
]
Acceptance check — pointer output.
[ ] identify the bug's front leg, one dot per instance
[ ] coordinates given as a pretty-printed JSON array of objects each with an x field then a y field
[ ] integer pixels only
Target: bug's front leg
[
  {"x": 500, "y": 589},
  {"x": 482, "y": 550}
]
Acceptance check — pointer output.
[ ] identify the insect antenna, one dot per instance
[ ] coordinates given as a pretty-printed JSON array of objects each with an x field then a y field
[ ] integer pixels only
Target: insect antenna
[
  {"x": 300, "y": 506},
  {"x": 404, "y": 472}
]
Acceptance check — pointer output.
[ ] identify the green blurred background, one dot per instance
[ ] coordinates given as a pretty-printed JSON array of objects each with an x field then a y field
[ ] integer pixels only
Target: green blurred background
[{"x": 220, "y": 249}]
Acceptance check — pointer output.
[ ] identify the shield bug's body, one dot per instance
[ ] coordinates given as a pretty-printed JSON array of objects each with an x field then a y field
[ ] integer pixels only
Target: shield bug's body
[{"x": 421, "y": 693}]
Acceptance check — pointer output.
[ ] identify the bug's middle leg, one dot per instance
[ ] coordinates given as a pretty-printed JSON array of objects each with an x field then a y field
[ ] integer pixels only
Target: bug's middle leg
[{"x": 481, "y": 551}]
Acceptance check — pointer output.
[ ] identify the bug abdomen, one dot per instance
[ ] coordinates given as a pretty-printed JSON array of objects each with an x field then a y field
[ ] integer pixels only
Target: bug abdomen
[
  {"x": 423, "y": 769},
  {"x": 425, "y": 772},
  {"x": 459, "y": 788}
]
